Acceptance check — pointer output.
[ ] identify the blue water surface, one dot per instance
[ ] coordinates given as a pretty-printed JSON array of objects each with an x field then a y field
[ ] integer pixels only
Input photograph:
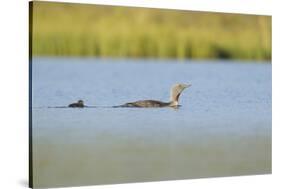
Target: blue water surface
[{"x": 223, "y": 127}]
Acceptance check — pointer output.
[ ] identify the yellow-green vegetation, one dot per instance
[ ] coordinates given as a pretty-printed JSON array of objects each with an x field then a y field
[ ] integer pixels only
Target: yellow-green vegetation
[{"x": 64, "y": 29}]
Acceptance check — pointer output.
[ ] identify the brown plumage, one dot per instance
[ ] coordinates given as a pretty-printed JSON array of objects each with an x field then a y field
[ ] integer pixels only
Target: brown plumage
[
  {"x": 174, "y": 99},
  {"x": 79, "y": 104}
]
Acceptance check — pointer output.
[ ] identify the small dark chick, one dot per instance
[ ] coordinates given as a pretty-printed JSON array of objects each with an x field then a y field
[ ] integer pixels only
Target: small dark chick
[{"x": 78, "y": 104}]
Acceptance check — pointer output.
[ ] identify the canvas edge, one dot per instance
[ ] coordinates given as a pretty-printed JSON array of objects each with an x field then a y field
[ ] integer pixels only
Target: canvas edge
[{"x": 30, "y": 150}]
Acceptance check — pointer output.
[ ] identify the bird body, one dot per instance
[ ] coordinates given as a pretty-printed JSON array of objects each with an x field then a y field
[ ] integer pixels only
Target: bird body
[
  {"x": 79, "y": 104},
  {"x": 174, "y": 99},
  {"x": 146, "y": 104}
]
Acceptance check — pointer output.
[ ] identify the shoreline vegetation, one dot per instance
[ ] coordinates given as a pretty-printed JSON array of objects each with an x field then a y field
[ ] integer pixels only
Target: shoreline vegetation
[{"x": 67, "y": 29}]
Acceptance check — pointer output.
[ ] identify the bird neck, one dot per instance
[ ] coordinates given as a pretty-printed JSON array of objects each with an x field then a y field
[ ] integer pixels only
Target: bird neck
[
  {"x": 174, "y": 103},
  {"x": 174, "y": 98}
]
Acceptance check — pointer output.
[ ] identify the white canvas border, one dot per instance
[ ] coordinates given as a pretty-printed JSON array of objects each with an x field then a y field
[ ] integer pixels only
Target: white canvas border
[{"x": 14, "y": 92}]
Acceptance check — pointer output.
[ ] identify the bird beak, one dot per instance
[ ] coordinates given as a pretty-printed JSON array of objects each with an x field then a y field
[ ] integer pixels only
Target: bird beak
[{"x": 187, "y": 85}]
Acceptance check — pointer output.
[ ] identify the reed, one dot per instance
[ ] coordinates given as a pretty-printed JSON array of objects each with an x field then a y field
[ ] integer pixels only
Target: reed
[{"x": 64, "y": 29}]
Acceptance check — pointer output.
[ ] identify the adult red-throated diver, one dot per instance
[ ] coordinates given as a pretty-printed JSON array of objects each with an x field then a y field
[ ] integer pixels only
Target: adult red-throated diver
[{"x": 174, "y": 99}]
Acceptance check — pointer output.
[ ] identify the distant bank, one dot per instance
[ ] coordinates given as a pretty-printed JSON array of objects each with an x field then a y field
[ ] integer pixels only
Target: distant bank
[{"x": 64, "y": 29}]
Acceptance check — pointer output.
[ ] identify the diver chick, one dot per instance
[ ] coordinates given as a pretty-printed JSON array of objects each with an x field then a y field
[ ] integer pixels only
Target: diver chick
[{"x": 79, "y": 104}]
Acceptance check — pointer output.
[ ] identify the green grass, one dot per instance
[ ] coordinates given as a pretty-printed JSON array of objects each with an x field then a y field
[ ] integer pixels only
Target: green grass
[{"x": 63, "y": 29}]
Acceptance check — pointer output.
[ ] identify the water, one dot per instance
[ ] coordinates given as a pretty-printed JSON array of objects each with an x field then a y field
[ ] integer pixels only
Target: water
[{"x": 222, "y": 129}]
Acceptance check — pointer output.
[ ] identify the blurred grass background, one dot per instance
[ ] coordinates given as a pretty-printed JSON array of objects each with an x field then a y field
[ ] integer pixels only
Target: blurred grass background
[{"x": 65, "y": 29}]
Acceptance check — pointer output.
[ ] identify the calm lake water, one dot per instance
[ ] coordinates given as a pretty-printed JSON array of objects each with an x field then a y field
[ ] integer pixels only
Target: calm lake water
[{"x": 223, "y": 127}]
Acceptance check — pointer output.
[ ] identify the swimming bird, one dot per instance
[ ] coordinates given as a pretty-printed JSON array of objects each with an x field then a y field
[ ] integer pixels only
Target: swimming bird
[
  {"x": 175, "y": 92},
  {"x": 78, "y": 104}
]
